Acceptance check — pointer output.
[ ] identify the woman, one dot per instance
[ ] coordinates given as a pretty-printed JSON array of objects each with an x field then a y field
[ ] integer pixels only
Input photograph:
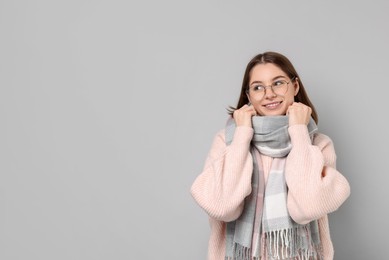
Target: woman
[{"x": 270, "y": 180}]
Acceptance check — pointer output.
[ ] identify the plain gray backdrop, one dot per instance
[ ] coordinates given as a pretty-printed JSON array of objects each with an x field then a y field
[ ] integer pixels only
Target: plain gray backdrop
[{"x": 108, "y": 110}]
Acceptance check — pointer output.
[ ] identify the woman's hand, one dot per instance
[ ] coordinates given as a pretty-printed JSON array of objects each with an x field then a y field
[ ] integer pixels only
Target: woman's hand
[
  {"x": 242, "y": 116},
  {"x": 299, "y": 114}
]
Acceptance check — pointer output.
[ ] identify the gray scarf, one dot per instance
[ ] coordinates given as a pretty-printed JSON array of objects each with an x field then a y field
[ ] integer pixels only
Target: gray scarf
[{"x": 262, "y": 230}]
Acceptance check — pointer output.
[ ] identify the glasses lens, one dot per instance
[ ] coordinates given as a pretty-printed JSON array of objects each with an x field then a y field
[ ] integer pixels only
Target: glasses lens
[
  {"x": 280, "y": 86},
  {"x": 258, "y": 91}
]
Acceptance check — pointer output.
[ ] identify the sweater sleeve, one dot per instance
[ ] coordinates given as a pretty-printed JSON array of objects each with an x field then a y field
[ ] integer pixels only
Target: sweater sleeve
[
  {"x": 315, "y": 187},
  {"x": 226, "y": 178}
]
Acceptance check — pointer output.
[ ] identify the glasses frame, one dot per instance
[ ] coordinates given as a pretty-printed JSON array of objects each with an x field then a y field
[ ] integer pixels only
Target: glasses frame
[{"x": 271, "y": 87}]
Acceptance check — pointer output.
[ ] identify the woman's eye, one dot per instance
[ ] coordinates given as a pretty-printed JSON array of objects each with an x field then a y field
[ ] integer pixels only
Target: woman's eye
[
  {"x": 278, "y": 83},
  {"x": 258, "y": 88}
]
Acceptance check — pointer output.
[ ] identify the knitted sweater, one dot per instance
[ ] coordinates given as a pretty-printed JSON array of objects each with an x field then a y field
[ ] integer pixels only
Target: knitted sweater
[{"x": 315, "y": 187}]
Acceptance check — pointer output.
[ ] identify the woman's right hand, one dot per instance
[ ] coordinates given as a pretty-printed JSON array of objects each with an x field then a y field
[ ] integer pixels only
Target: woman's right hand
[{"x": 242, "y": 116}]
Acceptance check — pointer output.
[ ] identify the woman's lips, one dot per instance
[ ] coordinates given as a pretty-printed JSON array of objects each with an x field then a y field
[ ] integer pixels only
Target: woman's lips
[{"x": 273, "y": 105}]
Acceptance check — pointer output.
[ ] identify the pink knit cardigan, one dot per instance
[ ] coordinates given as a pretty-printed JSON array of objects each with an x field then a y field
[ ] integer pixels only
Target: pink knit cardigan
[{"x": 316, "y": 188}]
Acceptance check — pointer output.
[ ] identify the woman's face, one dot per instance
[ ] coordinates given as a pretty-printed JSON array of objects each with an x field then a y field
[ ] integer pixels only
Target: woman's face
[{"x": 271, "y": 101}]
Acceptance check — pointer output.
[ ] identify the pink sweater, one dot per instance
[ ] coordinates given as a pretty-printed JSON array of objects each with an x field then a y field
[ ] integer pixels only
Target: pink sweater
[{"x": 316, "y": 188}]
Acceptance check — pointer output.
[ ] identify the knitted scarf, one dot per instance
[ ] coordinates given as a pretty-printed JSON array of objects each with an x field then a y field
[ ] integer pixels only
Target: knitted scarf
[{"x": 265, "y": 229}]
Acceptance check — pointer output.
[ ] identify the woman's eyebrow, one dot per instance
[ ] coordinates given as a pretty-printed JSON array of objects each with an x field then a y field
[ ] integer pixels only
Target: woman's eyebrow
[{"x": 277, "y": 77}]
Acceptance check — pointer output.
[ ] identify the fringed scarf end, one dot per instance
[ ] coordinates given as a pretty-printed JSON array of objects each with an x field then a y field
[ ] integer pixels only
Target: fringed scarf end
[
  {"x": 240, "y": 253},
  {"x": 293, "y": 243}
]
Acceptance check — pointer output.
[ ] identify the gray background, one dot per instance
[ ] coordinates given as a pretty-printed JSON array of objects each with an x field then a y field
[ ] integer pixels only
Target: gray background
[{"x": 108, "y": 110}]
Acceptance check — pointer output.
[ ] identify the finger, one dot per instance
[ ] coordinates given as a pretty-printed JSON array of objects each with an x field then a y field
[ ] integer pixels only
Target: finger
[
  {"x": 250, "y": 106},
  {"x": 296, "y": 104},
  {"x": 290, "y": 108},
  {"x": 253, "y": 111}
]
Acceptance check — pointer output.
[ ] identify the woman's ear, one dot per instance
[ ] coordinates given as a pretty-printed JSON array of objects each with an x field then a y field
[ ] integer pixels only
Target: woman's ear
[{"x": 296, "y": 86}]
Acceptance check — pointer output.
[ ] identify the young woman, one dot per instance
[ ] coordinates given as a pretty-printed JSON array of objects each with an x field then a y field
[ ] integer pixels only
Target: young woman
[{"x": 270, "y": 180}]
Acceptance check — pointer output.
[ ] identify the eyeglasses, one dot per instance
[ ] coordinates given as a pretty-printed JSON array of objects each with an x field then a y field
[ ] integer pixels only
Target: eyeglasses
[{"x": 279, "y": 87}]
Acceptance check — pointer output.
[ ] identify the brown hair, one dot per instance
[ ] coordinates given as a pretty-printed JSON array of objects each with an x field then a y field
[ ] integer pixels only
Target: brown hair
[{"x": 286, "y": 66}]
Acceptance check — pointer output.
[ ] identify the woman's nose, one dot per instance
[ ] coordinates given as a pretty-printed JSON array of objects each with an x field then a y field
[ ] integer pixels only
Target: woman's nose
[{"x": 269, "y": 92}]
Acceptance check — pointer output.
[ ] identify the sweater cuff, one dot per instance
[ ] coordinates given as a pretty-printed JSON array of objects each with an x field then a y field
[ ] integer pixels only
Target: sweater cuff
[
  {"x": 299, "y": 135},
  {"x": 243, "y": 134}
]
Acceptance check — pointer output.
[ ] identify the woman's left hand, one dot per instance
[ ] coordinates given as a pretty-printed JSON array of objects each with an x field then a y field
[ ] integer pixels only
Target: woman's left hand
[{"x": 299, "y": 114}]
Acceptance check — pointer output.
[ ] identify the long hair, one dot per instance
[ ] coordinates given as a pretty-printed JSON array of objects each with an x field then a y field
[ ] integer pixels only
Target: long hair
[{"x": 286, "y": 66}]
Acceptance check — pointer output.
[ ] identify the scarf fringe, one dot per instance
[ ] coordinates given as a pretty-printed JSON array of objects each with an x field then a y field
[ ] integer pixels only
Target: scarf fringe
[
  {"x": 240, "y": 253},
  {"x": 291, "y": 244}
]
